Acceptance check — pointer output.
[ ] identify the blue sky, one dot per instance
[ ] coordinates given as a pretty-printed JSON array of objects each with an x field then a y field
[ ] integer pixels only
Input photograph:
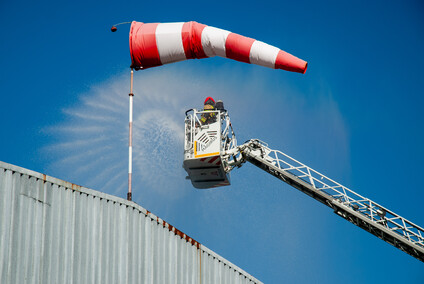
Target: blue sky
[{"x": 356, "y": 116}]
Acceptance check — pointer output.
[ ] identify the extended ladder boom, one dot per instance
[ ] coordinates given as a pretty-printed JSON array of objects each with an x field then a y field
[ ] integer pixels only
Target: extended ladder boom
[{"x": 353, "y": 207}]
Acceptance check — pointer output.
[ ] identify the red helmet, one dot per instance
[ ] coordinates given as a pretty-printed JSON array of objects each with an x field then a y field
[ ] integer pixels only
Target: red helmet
[{"x": 209, "y": 101}]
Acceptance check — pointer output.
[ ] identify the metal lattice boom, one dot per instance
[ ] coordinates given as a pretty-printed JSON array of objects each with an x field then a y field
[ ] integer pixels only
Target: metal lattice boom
[{"x": 361, "y": 211}]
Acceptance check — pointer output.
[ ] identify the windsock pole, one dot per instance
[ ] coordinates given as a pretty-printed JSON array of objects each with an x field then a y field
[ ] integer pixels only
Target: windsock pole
[{"x": 131, "y": 95}]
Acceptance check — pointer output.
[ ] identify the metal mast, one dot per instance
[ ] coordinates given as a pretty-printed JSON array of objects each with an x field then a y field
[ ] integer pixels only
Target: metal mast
[{"x": 131, "y": 95}]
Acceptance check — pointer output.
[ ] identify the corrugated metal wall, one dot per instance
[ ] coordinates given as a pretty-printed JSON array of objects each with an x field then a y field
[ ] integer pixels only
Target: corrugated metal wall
[{"x": 52, "y": 231}]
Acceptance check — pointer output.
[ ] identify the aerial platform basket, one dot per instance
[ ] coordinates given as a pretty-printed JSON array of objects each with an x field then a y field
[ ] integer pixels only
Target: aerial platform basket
[{"x": 204, "y": 146}]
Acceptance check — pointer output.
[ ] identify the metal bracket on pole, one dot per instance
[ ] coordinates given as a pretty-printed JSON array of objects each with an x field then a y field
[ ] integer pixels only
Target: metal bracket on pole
[{"x": 131, "y": 96}]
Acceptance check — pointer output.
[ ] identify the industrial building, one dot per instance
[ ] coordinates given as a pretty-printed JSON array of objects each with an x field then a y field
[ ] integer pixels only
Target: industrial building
[{"x": 53, "y": 231}]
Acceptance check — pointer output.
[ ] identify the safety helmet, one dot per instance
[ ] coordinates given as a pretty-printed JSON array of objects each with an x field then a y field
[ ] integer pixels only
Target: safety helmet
[{"x": 209, "y": 101}]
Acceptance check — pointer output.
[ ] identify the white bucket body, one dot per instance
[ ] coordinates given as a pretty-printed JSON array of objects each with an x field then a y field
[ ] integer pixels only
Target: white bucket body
[{"x": 203, "y": 146}]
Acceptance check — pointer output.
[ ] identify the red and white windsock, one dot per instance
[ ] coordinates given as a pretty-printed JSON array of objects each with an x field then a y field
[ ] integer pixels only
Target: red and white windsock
[{"x": 156, "y": 44}]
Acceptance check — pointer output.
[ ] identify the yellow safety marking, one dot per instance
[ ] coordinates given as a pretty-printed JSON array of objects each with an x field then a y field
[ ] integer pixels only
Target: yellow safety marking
[
  {"x": 203, "y": 155},
  {"x": 206, "y": 155}
]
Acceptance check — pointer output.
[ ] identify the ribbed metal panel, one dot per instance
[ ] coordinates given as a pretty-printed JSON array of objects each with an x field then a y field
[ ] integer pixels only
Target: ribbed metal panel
[{"x": 52, "y": 231}]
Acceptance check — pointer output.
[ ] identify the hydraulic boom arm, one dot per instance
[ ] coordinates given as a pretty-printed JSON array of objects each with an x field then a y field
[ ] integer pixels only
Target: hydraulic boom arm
[{"x": 353, "y": 207}]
